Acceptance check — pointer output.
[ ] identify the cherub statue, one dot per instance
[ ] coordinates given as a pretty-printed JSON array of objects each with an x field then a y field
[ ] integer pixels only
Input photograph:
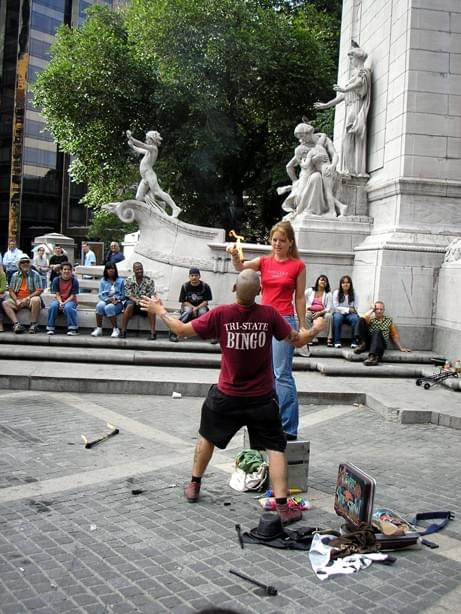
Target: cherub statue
[
  {"x": 149, "y": 190},
  {"x": 313, "y": 191}
]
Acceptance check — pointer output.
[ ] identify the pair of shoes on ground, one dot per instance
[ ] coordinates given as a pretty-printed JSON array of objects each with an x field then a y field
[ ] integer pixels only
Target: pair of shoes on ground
[
  {"x": 371, "y": 361},
  {"x": 98, "y": 332},
  {"x": 287, "y": 514},
  {"x": 354, "y": 345},
  {"x": 72, "y": 332}
]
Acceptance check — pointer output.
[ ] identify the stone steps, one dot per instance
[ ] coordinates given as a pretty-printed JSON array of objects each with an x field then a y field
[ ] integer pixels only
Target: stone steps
[{"x": 202, "y": 355}]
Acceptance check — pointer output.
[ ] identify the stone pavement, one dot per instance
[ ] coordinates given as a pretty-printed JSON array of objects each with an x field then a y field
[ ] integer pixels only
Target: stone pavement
[{"x": 75, "y": 538}]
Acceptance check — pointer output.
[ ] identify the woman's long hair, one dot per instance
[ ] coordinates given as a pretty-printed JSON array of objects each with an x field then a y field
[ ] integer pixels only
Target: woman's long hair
[
  {"x": 286, "y": 229},
  {"x": 350, "y": 294},
  {"x": 315, "y": 287},
  {"x": 110, "y": 265}
]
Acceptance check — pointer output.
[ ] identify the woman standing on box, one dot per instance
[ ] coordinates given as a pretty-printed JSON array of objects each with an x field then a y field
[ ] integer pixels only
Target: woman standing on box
[{"x": 283, "y": 279}]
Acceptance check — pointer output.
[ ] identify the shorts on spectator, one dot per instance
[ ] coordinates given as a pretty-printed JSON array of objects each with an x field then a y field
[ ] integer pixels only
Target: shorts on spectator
[
  {"x": 223, "y": 416},
  {"x": 136, "y": 308},
  {"x": 13, "y": 305}
]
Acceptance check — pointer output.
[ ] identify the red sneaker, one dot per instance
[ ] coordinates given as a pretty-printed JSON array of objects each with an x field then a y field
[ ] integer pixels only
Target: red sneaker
[
  {"x": 192, "y": 491},
  {"x": 288, "y": 515}
]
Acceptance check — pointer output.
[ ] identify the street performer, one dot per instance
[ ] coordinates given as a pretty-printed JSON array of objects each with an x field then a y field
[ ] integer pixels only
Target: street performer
[{"x": 244, "y": 395}]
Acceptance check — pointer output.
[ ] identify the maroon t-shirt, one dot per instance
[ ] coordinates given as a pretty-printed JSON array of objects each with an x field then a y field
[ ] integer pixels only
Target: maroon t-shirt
[{"x": 245, "y": 335}]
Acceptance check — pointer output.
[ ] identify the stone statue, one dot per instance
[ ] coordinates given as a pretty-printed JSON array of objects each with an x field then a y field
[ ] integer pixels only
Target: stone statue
[
  {"x": 356, "y": 95},
  {"x": 149, "y": 190},
  {"x": 453, "y": 251},
  {"x": 312, "y": 192}
]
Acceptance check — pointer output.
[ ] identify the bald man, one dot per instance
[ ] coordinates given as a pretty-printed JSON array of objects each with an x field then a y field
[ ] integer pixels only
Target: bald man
[{"x": 244, "y": 395}]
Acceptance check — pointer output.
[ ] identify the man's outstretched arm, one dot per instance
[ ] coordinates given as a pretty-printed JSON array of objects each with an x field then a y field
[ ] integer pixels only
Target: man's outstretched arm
[{"x": 304, "y": 336}]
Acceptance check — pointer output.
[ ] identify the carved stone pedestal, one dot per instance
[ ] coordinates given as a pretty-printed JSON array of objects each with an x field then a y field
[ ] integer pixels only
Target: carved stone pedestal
[
  {"x": 327, "y": 244},
  {"x": 352, "y": 192}
]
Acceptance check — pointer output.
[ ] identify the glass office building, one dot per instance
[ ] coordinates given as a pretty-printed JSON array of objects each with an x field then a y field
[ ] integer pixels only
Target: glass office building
[{"x": 36, "y": 194}]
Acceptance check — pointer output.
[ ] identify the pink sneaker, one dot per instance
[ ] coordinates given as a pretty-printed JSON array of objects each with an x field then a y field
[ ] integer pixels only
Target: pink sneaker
[
  {"x": 287, "y": 514},
  {"x": 192, "y": 491}
]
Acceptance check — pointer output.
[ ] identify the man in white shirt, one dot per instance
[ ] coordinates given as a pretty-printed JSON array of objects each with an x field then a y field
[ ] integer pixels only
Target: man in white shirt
[
  {"x": 11, "y": 258},
  {"x": 90, "y": 256}
]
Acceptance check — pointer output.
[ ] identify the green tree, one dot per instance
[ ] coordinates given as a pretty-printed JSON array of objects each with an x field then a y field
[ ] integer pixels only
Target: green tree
[{"x": 224, "y": 81}]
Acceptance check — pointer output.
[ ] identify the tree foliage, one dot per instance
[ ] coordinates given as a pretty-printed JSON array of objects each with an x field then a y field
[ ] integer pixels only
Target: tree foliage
[{"x": 224, "y": 81}]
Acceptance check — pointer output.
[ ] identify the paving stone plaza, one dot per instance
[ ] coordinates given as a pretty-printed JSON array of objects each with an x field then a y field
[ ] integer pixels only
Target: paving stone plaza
[{"x": 76, "y": 539}]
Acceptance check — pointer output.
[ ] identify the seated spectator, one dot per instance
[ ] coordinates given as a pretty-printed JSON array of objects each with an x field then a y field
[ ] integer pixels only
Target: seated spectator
[
  {"x": 25, "y": 291},
  {"x": 10, "y": 259},
  {"x": 194, "y": 298},
  {"x": 89, "y": 259},
  {"x": 2, "y": 295},
  {"x": 41, "y": 265},
  {"x": 374, "y": 330},
  {"x": 66, "y": 289},
  {"x": 111, "y": 297},
  {"x": 136, "y": 286},
  {"x": 89, "y": 255},
  {"x": 56, "y": 260},
  {"x": 345, "y": 303},
  {"x": 113, "y": 254},
  {"x": 319, "y": 303}
]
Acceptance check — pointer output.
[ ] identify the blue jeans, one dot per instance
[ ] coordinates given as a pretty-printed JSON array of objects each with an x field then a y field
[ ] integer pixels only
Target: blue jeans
[
  {"x": 109, "y": 309},
  {"x": 285, "y": 387},
  {"x": 70, "y": 311},
  {"x": 343, "y": 318},
  {"x": 187, "y": 315}
]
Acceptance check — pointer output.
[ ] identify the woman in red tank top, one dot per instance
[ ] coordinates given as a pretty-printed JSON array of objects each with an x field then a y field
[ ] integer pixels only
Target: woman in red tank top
[{"x": 283, "y": 280}]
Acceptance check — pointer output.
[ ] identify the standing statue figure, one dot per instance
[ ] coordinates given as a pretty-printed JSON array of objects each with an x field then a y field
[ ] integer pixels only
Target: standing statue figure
[
  {"x": 356, "y": 95},
  {"x": 149, "y": 190},
  {"x": 313, "y": 191}
]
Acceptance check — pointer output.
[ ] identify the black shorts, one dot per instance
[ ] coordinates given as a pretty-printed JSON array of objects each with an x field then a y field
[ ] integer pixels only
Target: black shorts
[
  {"x": 136, "y": 308},
  {"x": 223, "y": 416}
]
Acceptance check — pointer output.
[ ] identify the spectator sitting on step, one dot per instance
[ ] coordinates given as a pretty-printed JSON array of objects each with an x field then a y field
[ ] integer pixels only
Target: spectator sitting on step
[
  {"x": 10, "y": 259},
  {"x": 25, "y": 291},
  {"x": 194, "y": 298},
  {"x": 111, "y": 297},
  {"x": 374, "y": 330},
  {"x": 319, "y": 303},
  {"x": 58, "y": 257},
  {"x": 136, "y": 286},
  {"x": 89, "y": 259},
  {"x": 345, "y": 302},
  {"x": 89, "y": 255},
  {"x": 113, "y": 254},
  {"x": 3, "y": 285},
  {"x": 41, "y": 264},
  {"x": 66, "y": 289}
]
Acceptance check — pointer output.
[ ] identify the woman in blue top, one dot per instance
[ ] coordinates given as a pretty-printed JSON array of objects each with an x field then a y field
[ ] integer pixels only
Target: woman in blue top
[
  {"x": 345, "y": 303},
  {"x": 111, "y": 297}
]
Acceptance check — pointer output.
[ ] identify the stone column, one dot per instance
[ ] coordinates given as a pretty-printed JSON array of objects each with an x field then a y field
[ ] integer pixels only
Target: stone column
[{"x": 414, "y": 152}]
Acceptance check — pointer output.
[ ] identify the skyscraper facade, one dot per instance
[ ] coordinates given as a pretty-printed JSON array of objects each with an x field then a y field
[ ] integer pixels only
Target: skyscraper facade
[{"x": 36, "y": 194}]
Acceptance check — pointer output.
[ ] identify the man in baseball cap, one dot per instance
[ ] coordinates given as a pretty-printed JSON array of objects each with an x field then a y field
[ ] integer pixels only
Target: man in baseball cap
[
  {"x": 194, "y": 298},
  {"x": 25, "y": 289}
]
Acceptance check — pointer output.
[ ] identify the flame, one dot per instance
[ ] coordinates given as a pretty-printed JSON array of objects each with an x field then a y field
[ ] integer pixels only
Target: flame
[{"x": 238, "y": 239}]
